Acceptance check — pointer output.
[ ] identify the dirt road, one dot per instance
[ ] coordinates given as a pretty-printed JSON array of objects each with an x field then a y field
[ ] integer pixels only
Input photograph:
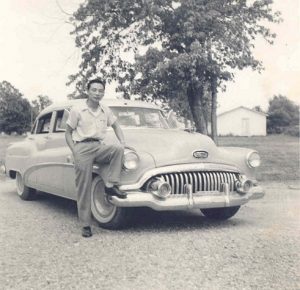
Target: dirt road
[{"x": 41, "y": 247}]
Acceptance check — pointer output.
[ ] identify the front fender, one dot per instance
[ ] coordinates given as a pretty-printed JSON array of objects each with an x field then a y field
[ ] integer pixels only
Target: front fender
[
  {"x": 238, "y": 157},
  {"x": 129, "y": 176}
]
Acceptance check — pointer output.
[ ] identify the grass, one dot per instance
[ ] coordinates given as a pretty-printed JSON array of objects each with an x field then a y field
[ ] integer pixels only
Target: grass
[{"x": 279, "y": 153}]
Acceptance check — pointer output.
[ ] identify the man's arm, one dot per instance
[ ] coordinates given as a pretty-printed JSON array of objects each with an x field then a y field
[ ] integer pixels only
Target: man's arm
[
  {"x": 69, "y": 139},
  {"x": 118, "y": 132}
]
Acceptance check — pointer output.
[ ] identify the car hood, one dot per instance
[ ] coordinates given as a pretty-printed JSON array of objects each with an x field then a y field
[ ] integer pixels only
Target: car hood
[{"x": 169, "y": 147}]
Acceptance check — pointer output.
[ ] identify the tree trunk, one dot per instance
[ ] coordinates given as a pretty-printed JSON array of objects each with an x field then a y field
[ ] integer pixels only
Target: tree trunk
[
  {"x": 214, "y": 133},
  {"x": 194, "y": 98}
]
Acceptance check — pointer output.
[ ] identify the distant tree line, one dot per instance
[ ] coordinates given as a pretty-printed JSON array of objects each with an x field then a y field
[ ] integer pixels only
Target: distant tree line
[
  {"x": 283, "y": 116},
  {"x": 16, "y": 112}
]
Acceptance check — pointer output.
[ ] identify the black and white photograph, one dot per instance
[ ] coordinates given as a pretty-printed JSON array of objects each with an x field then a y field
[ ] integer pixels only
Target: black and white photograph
[{"x": 150, "y": 144}]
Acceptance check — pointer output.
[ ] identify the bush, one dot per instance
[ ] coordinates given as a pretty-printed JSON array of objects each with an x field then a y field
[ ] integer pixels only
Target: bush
[{"x": 292, "y": 131}]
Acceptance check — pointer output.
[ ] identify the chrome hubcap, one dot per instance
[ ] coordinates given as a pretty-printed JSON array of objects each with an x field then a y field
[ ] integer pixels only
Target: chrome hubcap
[{"x": 102, "y": 209}]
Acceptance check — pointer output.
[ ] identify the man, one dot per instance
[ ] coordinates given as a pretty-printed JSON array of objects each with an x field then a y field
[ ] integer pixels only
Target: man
[{"x": 86, "y": 128}]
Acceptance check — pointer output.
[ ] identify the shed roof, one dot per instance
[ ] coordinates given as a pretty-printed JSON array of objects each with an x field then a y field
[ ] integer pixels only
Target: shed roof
[{"x": 245, "y": 108}]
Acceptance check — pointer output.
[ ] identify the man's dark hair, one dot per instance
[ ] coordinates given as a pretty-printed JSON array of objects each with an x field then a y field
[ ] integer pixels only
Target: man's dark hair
[{"x": 95, "y": 81}]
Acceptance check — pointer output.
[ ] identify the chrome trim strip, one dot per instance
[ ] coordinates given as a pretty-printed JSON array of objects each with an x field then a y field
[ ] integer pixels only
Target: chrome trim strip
[
  {"x": 219, "y": 182},
  {"x": 167, "y": 179},
  {"x": 192, "y": 181},
  {"x": 196, "y": 181},
  {"x": 200, "y": 180},
  {"x": 211, "y": 181},
  {"x": 215, "y": 181},
  {"x": 185, "y": 178},
  {"x": 176, "y": 183},
  {"x": 231, "y": 182},
  {"x": 208, "y": 181},
  {"x": 204, "y": 181},
  {"x": 228, "y": 180},
  {"x": 172, "y": 184},
  {"x": 180, "y": 186}
]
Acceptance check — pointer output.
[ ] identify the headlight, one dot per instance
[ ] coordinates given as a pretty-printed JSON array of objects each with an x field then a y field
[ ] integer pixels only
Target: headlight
[
  {"x": 131, "y": 160},
  {"x": 253, "y": 159}
]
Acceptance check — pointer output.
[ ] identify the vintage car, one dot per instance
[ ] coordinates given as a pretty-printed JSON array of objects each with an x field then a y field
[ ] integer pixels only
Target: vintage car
[{"x": 166, "y": 168}]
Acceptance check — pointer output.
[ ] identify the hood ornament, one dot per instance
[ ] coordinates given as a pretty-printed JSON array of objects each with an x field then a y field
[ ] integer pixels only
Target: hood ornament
[{"x": 199, "y": 154}]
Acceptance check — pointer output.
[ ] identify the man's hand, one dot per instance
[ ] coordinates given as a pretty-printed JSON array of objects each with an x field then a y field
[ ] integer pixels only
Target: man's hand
[
  {"x": 69, "y": 140},
  {"x": 120, "y": 135},
  {"x": 129, "y": 147}
]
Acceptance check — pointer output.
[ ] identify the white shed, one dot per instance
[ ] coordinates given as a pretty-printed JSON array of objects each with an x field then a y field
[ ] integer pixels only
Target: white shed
[{"x": 242, "y": 121}]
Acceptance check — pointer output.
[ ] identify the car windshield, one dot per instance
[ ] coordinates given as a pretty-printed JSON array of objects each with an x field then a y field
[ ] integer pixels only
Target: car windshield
[{"x": 140, "y": 117}]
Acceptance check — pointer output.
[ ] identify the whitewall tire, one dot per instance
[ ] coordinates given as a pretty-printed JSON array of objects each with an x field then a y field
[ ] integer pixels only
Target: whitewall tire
[
  {"x": 24, "y": 192},
  {"x": 105, "y": 213}
]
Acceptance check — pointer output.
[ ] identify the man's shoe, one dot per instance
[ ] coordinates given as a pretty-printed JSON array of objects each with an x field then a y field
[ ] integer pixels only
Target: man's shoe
[
  {"x": 115, "y": 191},
  {"x": 86, "y": 232}
]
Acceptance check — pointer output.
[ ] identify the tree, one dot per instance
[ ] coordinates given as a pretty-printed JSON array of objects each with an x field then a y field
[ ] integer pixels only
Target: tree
[
  {"x": 192, "y": 47},
  {"x": 282, "y": 113},
  {"x": 258, "y": 109},
  {"x": 14, "y": 110},
  {"x": 40, "y": 103}
]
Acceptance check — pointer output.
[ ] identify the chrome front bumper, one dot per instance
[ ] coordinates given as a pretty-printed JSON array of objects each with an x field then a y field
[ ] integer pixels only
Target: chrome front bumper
[{"x": 203, "y": 199}]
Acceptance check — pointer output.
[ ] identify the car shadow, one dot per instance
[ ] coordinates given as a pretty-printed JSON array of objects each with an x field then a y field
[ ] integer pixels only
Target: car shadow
[
  {"x": 57, "y": 203},
  {"x": 146, "y": 219}
]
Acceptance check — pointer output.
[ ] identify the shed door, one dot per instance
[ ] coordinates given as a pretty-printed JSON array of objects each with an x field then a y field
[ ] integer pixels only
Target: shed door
[{"x": 245, "y": 127}]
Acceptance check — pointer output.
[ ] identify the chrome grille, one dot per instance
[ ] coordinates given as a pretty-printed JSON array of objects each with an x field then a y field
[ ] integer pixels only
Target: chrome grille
[{"x": 200, "y": 181}]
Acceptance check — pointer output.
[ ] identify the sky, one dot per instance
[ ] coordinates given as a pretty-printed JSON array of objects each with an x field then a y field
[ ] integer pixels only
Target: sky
[{"x": 37, "y": 54}]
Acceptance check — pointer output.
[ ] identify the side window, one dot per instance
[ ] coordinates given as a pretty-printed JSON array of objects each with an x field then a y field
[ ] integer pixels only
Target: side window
[
  {"x": 43, "y": 124},
  {"x": 61, "y": 120}
]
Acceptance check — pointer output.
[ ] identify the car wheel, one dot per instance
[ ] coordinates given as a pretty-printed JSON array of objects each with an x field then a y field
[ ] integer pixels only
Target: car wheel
[
  {"x": 107, "y": 215},
  {"x": 25, "y": 192},
  {"x": 222, "y": 213}
]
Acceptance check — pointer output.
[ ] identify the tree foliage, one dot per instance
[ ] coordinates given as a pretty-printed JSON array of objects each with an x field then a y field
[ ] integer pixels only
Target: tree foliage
[
  {"x": 40, "y": 103},
  {"x": 14, "y": 110},
  {"x": 282, "y": 113},
  {"x": 192, "y": 47}
]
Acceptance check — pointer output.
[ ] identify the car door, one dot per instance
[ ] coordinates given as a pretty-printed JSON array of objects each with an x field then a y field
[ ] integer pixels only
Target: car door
[
  {"x": 51, "y": 157},
  {"x": 60, "y": 156},
  {"x": 37, "y": 142}
]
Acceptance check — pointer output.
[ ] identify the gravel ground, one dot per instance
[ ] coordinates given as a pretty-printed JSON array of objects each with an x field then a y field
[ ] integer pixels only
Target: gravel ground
[{"x": 41, "y": 247}]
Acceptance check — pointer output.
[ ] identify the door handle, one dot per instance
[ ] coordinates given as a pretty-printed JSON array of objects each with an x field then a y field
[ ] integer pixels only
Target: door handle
[{"x": 70, "y": 159}]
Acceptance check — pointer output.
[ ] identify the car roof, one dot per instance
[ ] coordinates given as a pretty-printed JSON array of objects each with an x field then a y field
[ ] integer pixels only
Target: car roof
[{"x": 108, "y": 102}]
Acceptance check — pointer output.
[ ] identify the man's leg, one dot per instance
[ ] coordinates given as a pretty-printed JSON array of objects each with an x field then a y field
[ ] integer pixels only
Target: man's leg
[
  {"x": 83, "y": 172},
  {"x": 113, "y": 155}
]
